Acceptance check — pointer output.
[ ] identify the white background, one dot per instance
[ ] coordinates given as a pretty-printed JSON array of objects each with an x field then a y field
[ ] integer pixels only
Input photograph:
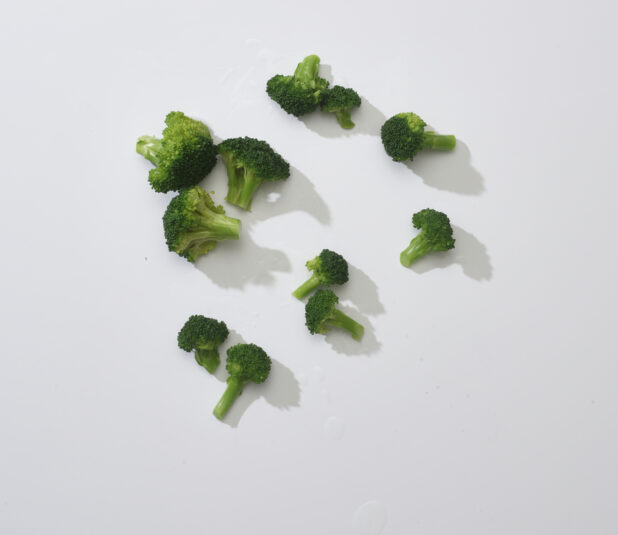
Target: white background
[{"x": 484, "y": 396}]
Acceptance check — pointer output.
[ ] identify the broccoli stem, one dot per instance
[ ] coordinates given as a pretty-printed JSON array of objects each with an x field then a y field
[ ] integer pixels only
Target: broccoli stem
[
  {"x": 208, "y": 358},
  {"x": 438, "y": 142},
  {"x": 343, "y": 118},
  {"x": 307, "y": 287},
  {"x": 307, "y": 69},
  {"x": 418, "y": 247},
  {"x": 339, "y": 319},
  {"x": 148, "y": 147},
  {"x": 241, "y": 187},
  {"x": 233, "y": 390}
]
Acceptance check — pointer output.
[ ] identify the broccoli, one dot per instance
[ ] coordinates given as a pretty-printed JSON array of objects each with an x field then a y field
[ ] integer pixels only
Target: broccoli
[
  {"x": 339, "y": 100},
  {"x": 249, "y": 162},
  {"x": 193, "y": 224},
  {"x": 245, "y": 363},
  {"x": 436, "y": 235},
  {"x": 204, "y": 336},
  {"x": 301, "y": 93},
  {"x": 328, "y": 268},
  {"x": 184, "y": 156},
  {"x": 403, "y": 135},
  {"x": 321, "y": 314}
]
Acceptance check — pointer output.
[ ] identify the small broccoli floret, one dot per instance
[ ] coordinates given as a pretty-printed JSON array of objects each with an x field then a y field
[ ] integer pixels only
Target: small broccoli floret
[
  {"x": 403, "y": 135},
  {"x": 340, "y": 100},
  {"x": 249, "y": 162},
  {"x": 328, "y": 268},
  {"x": 193, "y": 224},
  {"x": 301, "y": 93},
  {"x": 321, "y": 315},
  {"x": 436, "y": 235},
  {"x": 245, "y": 363},
  {"x": 204, "y": 336},
  {"x": 184, "y": 156}
]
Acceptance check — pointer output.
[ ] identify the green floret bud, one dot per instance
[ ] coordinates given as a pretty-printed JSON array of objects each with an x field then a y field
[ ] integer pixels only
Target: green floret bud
[
  {"x": 249, "y": 162},
  {"x": 340, "y": 101},
  {"x": 321, "y": 315},
  {"x": 436, "y": 235},
  {"x": 328, "y": 268},
  {"x": 403, "y": 136},
  {"x": 193, "y": 224},
  {"x": 301, "y": 93},
  {"x": 203, "y": 336},
  {"x": 245, "y": 363},
  {"x": 183, "y": 157}
]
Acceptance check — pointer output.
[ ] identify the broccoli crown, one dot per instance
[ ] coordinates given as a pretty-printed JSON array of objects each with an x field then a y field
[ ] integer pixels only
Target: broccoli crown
[
  {"x": 200, "y": 332},
  {"x": 255, "y": 156},
  {"x": 436, "y": 229},
  {"x": 403, "y": 136},
  {"x": 319, "y": 309},
  {"x": 329, "y": 267},
  {"x": 248, "y": 362},
  {"x": 185, "y": 155},
  {"x": 193, "y": 224},
  {"x": 301, "y": 93},
  {"x": 340, "y": 98}
]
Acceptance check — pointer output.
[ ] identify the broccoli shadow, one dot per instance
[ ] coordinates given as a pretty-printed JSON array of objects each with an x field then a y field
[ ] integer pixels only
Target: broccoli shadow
[
  {"x": 361, "y": 291},
  {"x": 342, "y": 342},
  {"x": 469, "y": 253},
  {"x": 235, "y": 264},
  {"x": 278, "y": 197},
  {"x": 449, "y": 171}
]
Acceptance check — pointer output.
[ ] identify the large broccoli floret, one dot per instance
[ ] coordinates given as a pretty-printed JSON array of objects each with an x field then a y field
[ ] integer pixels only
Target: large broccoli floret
[
  {"x": 301, "y": 93},
  {"x": 204, "y": 336},
  {"x": 340, "y": 101},
  {"x": 321, "y": 315},
  {"x": 184, "y": 156},
  {"x": 249, "y": 162},
  {"x": 403, "y": 135},
  {"x": 245, "y": 363},
  {"x": 436, "y": 235},
  {"x": 328, "y": 268},
  {"x": 193, "y": 224}
]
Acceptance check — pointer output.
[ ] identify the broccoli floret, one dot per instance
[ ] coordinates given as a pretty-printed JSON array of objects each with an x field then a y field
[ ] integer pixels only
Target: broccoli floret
[
  {"x": 321, "y": 314},
  {"x": 436, "y": 235},
  {"x": 193, "y": 224},
  {"x": 328, "y": 268},
  {"x": 249, "y": 162},
  {"x": 184, "y": 156},
  {"x": 340, "y": 100},
  {"x": 245, "y": 363},
  {"x": 301, "y": 93},
  {"x": 403, "y": 135},
  {"x": 204, "y": 336}
]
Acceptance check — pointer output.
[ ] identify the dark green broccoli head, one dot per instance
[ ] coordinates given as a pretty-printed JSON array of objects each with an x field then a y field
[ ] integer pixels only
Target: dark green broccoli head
[
  {"x": 340, "y": 100},
  {"x": 255, "y": 156},
  {"x": 248, "y": 362},
  {"x": 436, "y": 228},
  {"x": 193, "y": 224},
  {"x": 301, "y": 93},
  {"x": 200, "y": 332},
  {"x": 319, "y": 309},
  {"x": 184, "y": 156},
  {"x": 329, "y": 267},
  {"x": 403, "y": 136}
]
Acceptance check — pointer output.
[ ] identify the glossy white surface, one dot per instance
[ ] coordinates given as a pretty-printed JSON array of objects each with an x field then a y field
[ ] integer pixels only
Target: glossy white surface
[{"x": 483, "y": 399}]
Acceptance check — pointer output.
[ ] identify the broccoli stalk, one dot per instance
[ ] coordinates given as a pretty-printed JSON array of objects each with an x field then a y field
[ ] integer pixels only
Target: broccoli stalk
[
  {"x": 436, "y": 235},
  {"x": 249, "y": 162},
  {"x": 321, "y": 314},
  {"x": 203, "y": 336},
  {"x": 149, "y": 147},
  {"x": 328, "y": 268},
  {"x": 193, "y": 224},
  {"x": 245, "y": 363},
  {"x": 340, "y": 101}
]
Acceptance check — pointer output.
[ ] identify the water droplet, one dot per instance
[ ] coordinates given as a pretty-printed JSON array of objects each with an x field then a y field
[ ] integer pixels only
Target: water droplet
[
  {"x": 370, "y": 518},
  {"x": 334, "y": 428},
  {"x": 273, "y": 196}
]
